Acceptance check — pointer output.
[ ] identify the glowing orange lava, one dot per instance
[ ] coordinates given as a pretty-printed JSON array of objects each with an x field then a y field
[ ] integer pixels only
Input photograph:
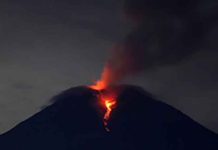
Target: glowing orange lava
[
  {"x": 109, "y": 104},
  {"x": 108, "y": 100}
]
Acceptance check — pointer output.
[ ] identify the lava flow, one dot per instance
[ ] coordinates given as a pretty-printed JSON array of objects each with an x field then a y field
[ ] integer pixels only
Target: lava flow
[{"x": 107, "y": 99}]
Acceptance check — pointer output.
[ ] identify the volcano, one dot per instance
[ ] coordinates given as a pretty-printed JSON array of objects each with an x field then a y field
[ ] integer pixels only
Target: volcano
[{"x": 138, "y": 122}]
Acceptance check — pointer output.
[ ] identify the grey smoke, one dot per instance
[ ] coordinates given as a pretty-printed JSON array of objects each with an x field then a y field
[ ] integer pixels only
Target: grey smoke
[{"x": 164, "y": 33}]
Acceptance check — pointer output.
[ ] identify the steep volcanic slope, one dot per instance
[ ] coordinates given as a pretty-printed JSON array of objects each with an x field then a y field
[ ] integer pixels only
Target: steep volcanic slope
[
  {"x": 145, "y": 123},
  {"x": 72, "y": 117},
  {"x": 75, "y": 122}
]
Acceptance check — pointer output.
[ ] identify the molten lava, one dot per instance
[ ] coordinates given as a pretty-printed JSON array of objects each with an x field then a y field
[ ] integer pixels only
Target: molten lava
[
  {"x": 107, "y": 99},
  {"x": 109, "y": 104}
]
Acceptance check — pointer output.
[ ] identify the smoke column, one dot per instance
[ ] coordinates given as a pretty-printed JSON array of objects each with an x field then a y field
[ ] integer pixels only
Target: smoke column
[{"x": 165, "y": 32}]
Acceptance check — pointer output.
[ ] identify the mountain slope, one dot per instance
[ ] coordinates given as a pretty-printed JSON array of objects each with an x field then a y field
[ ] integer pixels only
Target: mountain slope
[{"x": 139, "y": 121}]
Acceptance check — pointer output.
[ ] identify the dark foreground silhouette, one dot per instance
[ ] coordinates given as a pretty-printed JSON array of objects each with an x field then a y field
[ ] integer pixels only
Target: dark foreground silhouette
[{"x": 139, "y": 122}]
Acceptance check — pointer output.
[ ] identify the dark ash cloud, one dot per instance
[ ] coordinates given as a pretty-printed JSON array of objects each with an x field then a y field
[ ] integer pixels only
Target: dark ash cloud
[{"x": 164, "y": 33}]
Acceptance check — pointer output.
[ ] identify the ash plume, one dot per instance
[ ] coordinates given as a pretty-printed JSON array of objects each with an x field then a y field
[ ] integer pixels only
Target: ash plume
[{"x": 164, "y": 33}]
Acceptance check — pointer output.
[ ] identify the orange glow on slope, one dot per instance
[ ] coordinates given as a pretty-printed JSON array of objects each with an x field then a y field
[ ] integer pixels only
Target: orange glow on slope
[
  {"x": 109, "y": 104},
  {"x": 108, "y": 101}
]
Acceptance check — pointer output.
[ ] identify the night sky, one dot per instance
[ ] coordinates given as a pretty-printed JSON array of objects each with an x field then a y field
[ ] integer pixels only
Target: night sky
[{"x": 47, "y": 46}]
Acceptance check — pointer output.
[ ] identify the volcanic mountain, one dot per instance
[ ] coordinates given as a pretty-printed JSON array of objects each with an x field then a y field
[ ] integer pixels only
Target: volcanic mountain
[{"x": 138, "y": 122}]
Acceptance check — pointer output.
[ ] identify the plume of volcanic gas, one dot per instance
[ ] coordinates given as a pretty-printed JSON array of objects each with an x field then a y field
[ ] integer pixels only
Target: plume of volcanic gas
[{"x": 164, "y": 33}]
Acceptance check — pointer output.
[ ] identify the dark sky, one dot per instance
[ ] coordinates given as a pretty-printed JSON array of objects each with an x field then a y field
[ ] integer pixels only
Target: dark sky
[{"x": 47, "y": 46}]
